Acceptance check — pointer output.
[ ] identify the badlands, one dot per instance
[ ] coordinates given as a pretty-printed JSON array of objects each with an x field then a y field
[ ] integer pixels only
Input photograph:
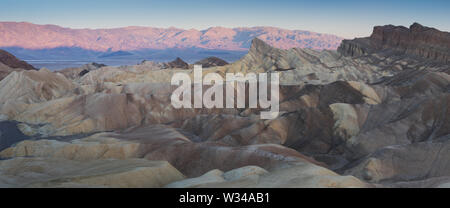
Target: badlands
[{"x": 373, "y": 113}]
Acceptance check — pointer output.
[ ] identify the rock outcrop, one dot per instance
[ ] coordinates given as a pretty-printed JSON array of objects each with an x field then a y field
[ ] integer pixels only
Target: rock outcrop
[
  {"x": 178, "y": 63},
  {"x": 417, "y": 40},
  {"x": 34, "y": 86},
  {"x": 211, "y": 61}
]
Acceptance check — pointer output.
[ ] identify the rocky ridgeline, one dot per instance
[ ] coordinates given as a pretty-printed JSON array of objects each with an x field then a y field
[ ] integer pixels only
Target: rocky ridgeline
[
  {"x": 13, "y": 62},
  {"x": 417, "y": 40},
  {"x": 9, "y": 63}
]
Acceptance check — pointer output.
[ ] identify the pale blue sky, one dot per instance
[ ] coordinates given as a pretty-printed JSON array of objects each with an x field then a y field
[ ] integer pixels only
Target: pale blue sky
[{"x": 347, "y": 18}]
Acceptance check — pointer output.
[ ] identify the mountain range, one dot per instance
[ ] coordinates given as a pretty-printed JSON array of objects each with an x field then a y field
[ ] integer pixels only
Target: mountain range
[
  {"x": 33, "y": 36},
  {"x": 55, "y": 47}
]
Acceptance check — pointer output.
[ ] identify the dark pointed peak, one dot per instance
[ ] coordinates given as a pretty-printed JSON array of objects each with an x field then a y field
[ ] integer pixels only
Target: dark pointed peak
[
  {"x": 178, "y": 59},
  {"x": 259, "y": 46},
  {"x": 258, "y": 43},
  {"x": 178, "y": 63},
  {"x": 211, "y": 61}
]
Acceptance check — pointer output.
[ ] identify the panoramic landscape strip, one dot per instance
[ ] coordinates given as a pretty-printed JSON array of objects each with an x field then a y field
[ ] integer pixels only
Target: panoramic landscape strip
[{"x": 224, "y": 103}]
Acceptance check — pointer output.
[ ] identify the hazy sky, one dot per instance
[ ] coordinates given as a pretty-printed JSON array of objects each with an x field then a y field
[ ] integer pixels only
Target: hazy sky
[{"x": 347, "y": 18}]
